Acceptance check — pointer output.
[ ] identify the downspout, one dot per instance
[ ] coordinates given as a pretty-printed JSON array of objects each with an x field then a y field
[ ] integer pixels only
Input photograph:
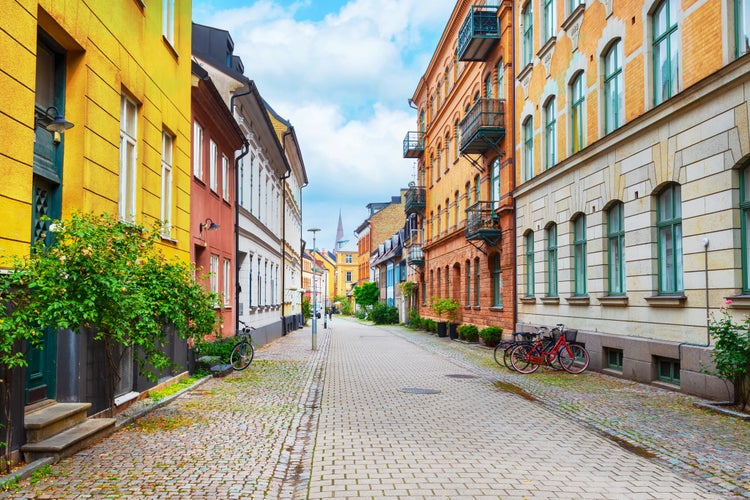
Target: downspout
[
  {"x": 244, "y": 151},
  {"x": 283, "y": 234},
  {"x": 513, "y": 129}
]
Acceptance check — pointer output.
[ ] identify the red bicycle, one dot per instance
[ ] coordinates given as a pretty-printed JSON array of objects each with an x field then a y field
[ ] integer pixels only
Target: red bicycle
[{"x": 573, "y": 358}]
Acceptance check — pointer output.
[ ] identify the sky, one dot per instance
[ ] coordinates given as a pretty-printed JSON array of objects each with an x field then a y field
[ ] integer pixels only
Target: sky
[{"x": 342, "y": 73}]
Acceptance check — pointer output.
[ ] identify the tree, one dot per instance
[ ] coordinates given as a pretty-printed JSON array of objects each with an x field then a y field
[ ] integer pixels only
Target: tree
[
  {"x": 110, "y": 278},
  {"x": 732, "y": 354},
  {"x": 367, "y": 294}
]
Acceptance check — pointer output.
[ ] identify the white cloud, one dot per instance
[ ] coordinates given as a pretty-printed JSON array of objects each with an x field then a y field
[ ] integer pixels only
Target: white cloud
[{"x": 343, "y": 81}]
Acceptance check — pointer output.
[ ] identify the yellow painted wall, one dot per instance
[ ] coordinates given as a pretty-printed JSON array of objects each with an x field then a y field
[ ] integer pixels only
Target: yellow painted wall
[{"x": 111, "y": 48}]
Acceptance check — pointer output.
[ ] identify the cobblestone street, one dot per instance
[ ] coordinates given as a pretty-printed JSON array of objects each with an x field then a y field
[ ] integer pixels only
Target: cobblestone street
[{"x": 384, "y": 412}]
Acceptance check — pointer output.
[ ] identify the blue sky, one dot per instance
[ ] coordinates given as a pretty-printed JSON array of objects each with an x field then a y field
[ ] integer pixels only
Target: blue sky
[{"x": 341, "y": 72}]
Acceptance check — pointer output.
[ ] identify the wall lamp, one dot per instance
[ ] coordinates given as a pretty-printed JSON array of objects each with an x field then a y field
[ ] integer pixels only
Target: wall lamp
[
  {"x": 54, "y": 122},
  {"x": 209, "y": 225}
]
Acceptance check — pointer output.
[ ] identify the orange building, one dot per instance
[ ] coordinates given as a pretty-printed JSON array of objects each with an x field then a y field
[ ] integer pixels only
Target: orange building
[{"x": 460, "y": 212}]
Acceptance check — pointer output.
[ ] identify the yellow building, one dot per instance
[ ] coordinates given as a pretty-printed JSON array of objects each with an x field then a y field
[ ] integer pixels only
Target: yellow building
[
  {"x": 95, "y": 117},
  {"x": 347, "y": 273},
  {"x": 326, "y": 262}
]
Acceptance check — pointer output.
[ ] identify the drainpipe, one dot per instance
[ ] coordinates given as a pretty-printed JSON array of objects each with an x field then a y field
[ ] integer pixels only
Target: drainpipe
[
  {"x": 513, "y": 129},
  {"x": 244, "y": 151},
  {"x": 283, "y": 234}
]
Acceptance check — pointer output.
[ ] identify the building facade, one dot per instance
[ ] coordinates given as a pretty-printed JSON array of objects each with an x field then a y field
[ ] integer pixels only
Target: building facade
[
  {"x": 632, "y": 146},
  {"x": 120, "y": 74},
  {"x": 460, "y": 230},
  {"x": 385, "y": 219},
  {"x": 347, "y": 273}
]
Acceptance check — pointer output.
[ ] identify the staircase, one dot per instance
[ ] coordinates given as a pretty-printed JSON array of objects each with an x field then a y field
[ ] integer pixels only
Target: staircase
[{"x": 59, "y": 430}]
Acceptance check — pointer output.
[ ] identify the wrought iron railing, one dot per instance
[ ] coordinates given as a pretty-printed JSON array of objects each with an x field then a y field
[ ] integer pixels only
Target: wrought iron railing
[{"x": 413, "y": 144}]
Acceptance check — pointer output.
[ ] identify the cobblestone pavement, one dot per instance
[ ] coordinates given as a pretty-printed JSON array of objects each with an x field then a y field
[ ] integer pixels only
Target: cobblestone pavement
[{"x": 353, "y": 419}]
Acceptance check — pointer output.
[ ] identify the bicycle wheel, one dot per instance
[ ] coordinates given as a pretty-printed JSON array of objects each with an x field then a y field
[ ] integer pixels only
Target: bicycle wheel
[
  {"x": 500, "y": 349},
  {"x": 574, "y": 359},
  {"x": 509, "y": 350},
  {"x": 242, "y": 355},
  {"x": 519, "y": 359}
]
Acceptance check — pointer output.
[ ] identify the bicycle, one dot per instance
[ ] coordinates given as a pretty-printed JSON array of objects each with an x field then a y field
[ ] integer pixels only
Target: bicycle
[
  {"x": 505, "y": 346},
  {"x": 243, "y": 352},
  {"x": 573, "y": 358}
]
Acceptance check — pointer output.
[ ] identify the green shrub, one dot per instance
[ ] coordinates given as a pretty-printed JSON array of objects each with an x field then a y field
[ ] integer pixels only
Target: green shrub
[
  {"x": 491, "y": 335},
  {"x": 383, "y": 314},
  {"x": 430, "y": 325},
  {"x": 221, "y": 348},
  {"x": 415, "y": 320},
  {"x": 469, "y": 333}
]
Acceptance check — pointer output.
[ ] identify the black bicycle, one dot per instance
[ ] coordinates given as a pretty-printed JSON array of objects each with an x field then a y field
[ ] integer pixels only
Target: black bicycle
[
  {"x": 243, "y": 352},
  {"x": 503, "y": 348}
]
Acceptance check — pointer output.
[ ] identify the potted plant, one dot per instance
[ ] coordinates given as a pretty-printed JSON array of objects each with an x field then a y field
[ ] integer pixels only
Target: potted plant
[
  {"x": 449, "y": 307},
  {"x": 491, "y": 335}
]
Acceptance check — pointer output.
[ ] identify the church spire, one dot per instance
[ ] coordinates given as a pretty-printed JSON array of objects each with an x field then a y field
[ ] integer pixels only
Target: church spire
[{"x": 339, "y": 235}]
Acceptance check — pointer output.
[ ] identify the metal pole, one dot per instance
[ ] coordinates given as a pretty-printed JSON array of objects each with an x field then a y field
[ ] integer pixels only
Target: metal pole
[{"x": 315, "y": 296}]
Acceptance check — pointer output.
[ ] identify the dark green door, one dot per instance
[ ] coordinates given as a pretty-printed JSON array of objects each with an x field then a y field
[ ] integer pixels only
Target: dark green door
[{"x": 46, "y": 201}]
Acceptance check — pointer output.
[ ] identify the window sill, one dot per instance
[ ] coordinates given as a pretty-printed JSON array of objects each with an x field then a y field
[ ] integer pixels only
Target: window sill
[
  {"x": 578, "y": 300},
  {"x": 496, "y": 309},
  {"x": 551, "y": 300},
  {"x": 529, "y": 299},
  {"x": 666, "y": 300},
  {"x": 739, "y": 301},
  {"x": 171, "y": 47},
  {"x": 613, "y": 300}
]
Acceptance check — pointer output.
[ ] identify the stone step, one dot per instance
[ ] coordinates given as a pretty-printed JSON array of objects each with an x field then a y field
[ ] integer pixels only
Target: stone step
[
  {"x": 53, "y": 419},
  {"x": 70, "y": 441}
]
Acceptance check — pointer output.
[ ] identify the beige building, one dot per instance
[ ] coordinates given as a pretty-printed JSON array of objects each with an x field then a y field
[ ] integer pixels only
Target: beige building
[{"x": 631, "y": 165}]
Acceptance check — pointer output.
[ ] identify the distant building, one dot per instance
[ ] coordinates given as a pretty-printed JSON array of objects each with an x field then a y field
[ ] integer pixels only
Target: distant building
[{"x": 385, "y": 218}]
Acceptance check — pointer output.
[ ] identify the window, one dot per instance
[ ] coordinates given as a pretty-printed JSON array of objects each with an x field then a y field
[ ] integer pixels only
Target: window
[
  {"x": 468, "y": 282},
  {"x": 500, "y": 80},
  {"x": 495, "y": 182},
  {"x": 214, "y": 273},
  {"x": 529, "y": 240},
  {"x": 250, "y": 284},
  {"x": 572, "y": 4},
  {"x": 477, "y": 187},
  {"x": 439, "y": 282},
  {"x": 549, "y": 18},
  {"x": 128, "y": 158},
  {"x": 666, "y": 46},
  {"x": 456, "y": 207},
  {"x": 166, "y": 184},
  {"x": 348, "y": 276},
  {"x": 527, "y": 21},
  {"x": 614, "y": 359},
  {"x": 745, "y": 226},
  {"x": 579, "y": 255},
  {"x": 488, "y": 86},
  {"x": 550, "y": 134},
  {"x": 669, "y": 225},
  {"x": 455, "y": 140},
  {"x": 668, "y": 370},
  {"x": 613, "y": 107},
  {"x": 439, "y": 220},
  {"x": 742, "y": 26},
  {"x": 616, "y": 249},
  {"x": 197, "y": 151},
  {"x": 552, "y": 260},
  {"x": 348, "y": 258},
  {"x": 225, "y": 177},
  {"x": 576, "y": 113},
  {"x": 477, "y": 274},
  {"x": 167, "y": 20},
  {"x": 213, "y": 167},
  {"x": 227, "y": 283},
  {"x": 497, "y": 281},
  {"x": 528, "y": 148}
]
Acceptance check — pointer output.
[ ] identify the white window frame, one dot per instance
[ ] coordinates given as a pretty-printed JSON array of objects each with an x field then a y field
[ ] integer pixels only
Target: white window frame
[
  {"x": 225, "y": 177},
  {"x": 167, "y": 149},
  {"x": 128, "y": 158},
  {"x": 197, "y": 151},
  {"x": 214, "y": 269},
  {"x": 227, "y": 282},
  {"x": 213, "y": 171},
  {"x": 168, "y": 20}
]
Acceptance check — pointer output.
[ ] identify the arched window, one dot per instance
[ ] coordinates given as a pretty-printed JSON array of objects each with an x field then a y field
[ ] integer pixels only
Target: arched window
[
  {"x": 527, "y": 24},
  {"x": 550, "y": 134},
  {"x": 497, "y": 281},
  {"x": 613, "y": 88},
  {"x": 669, "y": 225},
  {"x": 666, "y": 47},
  {"x": 495, "y": 182},
  {"x": 552, "y": 260},
  {"x": 577, "y": 100},
  {"x": 529, "y": 250},
  {"x": 579, "y": 255},
  {"x": 528, "y": 148},
  {"x": 616, "y": 248},
  {"x": 745, "y": 226}
]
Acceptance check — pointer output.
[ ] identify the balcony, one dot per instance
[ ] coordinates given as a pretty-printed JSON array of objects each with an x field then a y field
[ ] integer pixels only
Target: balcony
[
  {"x": 415, "y": 202},
  {"x": 482, "y": 223},
  {"x": 483, "y": 126},
  {"x": 415, "y": 257},
  {"x": 479, "y": 33},
  {"x": 413, "y": 144}
]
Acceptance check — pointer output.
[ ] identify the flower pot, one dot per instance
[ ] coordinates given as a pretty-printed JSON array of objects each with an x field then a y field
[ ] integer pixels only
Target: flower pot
[
  {"x": 442, "y": 329},
  {"x": 453, "y": 331}
]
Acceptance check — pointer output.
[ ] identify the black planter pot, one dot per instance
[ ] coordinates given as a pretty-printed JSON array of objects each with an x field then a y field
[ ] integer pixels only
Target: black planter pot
[
  {"x": 453, "y": 331},
  {"x": 442, "y": 329}
]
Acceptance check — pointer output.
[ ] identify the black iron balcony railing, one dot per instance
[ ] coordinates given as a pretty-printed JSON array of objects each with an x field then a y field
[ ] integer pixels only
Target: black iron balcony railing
[
  {"x": 479, "y": 33},
  {"x": 482, "y": 223},
  {"x": 415, "y": 256},
  {"x": 415, "y": 200},
  {"x": 483, "y": 126},
  {"x": 413, "y": 144}
]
